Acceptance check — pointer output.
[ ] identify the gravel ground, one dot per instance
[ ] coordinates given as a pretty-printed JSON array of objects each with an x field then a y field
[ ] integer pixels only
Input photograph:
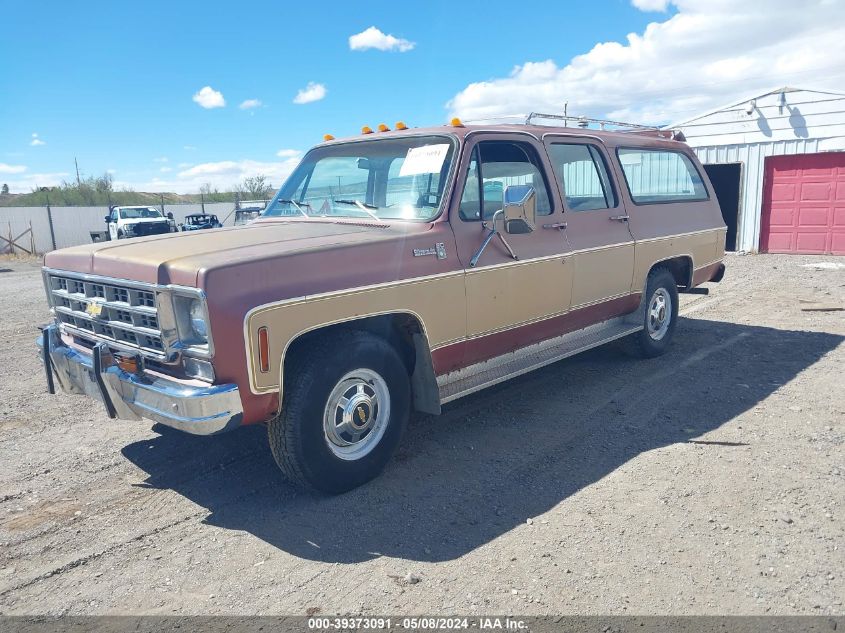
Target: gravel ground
[{"x": 708, "y": 481}]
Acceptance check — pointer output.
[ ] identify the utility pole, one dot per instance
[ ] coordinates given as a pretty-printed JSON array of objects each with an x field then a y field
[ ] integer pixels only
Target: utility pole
[{"x": 77, "y": 171}]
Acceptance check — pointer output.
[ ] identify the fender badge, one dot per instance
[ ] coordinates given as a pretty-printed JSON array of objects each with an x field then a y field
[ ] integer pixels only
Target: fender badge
[{"x": 438, "y": 249}]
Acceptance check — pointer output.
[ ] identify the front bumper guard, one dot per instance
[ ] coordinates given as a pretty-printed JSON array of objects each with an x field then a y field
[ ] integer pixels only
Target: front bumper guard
[{"x": 201, "y": 410}]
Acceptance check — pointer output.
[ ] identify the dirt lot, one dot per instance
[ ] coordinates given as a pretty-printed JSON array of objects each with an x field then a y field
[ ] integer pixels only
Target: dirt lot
[{"x": 711, "y": 480}]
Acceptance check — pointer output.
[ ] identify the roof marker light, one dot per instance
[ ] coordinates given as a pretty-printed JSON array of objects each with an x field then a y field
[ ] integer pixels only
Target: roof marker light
[
  {"x": 328, "y": 137},
  {"x": 383, "y": 128},
  {"x": 366, "y": 130},
  {"x": 456, "y": 122},
  {"x": 400, "y": 126}
]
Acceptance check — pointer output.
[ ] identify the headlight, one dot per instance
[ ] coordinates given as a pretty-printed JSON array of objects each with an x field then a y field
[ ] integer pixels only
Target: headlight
[
  {"x": 198, "y": 324},
  {"x": 191, "y": 318}
]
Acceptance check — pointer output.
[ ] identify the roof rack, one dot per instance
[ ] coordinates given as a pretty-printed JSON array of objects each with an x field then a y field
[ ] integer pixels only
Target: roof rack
[{"x": 583, "y": 121}]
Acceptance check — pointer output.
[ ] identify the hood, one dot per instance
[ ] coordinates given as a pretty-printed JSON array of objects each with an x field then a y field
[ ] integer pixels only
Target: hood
[
  {"x": 142, "y": 220},
  {"x": 179, "y": 258}
]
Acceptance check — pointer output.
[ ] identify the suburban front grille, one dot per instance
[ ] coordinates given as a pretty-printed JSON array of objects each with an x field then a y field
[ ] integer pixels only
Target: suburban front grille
[{"x": 108, "y": 310}]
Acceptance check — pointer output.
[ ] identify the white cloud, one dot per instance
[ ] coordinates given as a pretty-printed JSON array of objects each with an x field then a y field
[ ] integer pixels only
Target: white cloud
[
  {"x": 374, "y": 38},
  {"x": 707, "y": 54},
  {"x": 222, "y": 175},
  {"x": 189, "y": 148},
  {"x": 209, "y": 98},
  {"x": 35, "y": 142},
  {"x": 5, "y": 168},
  {"x": 165, "y": 170},
  {"x": 311, "y": 92},
  {"x": 651, "y": 5},
  {"x": 29, "y": 182},
  {"x": 249, "y": 104},
  {"x": 161, "y": 159},
  {"x": 288, "y": 153}
]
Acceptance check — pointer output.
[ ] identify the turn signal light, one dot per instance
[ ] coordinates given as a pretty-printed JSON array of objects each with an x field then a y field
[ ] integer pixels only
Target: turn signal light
[
  {"x": 366, "y": 130},
  {"x": 128, "y": 364},
  {"x": 263, "y": 350},
  {"x": 400, "y": 126},
  {"x": 383, "y": 128},
  {"x": 456, "y": 122},
  {"x": 328, "y": 137}
]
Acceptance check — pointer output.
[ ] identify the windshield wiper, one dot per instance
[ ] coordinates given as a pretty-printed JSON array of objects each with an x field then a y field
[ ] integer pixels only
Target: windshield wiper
[
  {"x": 296, "y": 206},
  {"x": 361, "y": 205}
]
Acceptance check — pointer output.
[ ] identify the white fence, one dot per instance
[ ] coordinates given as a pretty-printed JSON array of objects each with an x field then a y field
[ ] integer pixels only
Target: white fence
[{"x": 72, "y": 225}]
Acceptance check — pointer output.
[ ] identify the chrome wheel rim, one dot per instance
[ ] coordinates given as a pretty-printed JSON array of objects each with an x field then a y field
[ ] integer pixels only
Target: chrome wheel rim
[
  {"x": 659, "y": 314},
  {"x": 356, "y": 414}
]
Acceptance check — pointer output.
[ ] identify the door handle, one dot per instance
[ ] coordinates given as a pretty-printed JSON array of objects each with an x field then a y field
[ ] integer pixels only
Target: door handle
[
  {"x": 620, "y": 218},
  {"x": 556, "y": 225}
]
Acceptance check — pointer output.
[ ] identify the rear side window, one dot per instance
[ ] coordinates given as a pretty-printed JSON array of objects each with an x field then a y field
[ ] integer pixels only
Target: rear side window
[
  {"x": 656, "y": 176},
  {"x": 583, "y": 174}
]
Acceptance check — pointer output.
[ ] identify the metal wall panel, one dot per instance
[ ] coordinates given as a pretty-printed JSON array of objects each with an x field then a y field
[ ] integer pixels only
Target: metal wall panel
[{"x": 72, "y": 225}]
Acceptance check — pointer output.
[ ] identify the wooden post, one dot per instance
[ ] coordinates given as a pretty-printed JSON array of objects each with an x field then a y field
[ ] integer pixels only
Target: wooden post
[
  {"x": 11, "y": 241},
  {"x": 31, "y": 238}
]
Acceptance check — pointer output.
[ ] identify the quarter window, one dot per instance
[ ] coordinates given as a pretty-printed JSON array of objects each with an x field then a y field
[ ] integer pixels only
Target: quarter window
[
  {"x": 655, "y": 176},
  {"x": 583, "y": 174},
  {"x": 495, "y": 165}
]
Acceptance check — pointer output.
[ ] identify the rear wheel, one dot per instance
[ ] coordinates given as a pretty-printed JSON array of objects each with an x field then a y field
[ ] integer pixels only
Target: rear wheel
[
  {"x": 660, "y": 317},
  {"x": 346, "y": 405}
]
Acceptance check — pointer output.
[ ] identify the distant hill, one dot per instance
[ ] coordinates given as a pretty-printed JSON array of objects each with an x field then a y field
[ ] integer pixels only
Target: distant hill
[{"x": 72, "y": 197}]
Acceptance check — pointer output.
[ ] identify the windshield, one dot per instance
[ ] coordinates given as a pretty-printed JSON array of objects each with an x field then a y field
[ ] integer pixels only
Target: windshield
[
  {"x": 388, "y": 178},
  {"x": 133, "y": 213}
]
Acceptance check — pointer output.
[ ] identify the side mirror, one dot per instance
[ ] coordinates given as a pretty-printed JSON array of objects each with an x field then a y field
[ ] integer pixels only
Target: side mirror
[
  {"x": 170, "y": 215},
  {"x": 520, "y": 209},
  {"x": 108, "y": 219}
]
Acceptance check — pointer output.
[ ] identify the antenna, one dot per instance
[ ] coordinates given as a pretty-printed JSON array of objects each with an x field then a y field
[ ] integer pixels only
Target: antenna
[{"x": 78, "y": 183}]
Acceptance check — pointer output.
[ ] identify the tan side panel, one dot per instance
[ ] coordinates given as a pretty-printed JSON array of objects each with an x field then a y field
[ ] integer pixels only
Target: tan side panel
[
  {"x": 502, "y": 296},
  {"x": 439, "y": 302},
  {"x": 702, "y": 247},
  {"x": 602, "y": 274}
]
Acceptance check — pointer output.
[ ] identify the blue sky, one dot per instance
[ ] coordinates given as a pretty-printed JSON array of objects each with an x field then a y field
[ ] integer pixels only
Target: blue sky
[{"x": 113, "y": 83}]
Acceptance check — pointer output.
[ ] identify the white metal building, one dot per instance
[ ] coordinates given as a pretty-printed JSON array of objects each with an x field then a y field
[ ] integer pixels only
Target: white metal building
[{"x": 777, "y": 163}]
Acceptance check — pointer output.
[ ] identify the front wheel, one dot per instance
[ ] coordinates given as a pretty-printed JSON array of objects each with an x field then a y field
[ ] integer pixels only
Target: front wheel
[
  {"x": 660, "y": 316},
  {"x": 346, "y": 405}
]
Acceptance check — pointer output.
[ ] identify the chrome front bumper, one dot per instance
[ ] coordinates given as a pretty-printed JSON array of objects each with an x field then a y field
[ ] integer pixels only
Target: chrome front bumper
[{"x": 201, "y": 410}]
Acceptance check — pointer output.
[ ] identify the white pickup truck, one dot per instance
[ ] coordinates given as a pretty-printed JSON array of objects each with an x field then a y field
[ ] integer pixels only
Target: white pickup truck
[{"x": 136, "y": 221}]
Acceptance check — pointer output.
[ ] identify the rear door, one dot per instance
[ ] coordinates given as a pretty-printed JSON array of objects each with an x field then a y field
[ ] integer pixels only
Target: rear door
[
  {"x": 510, "y": 302},
  {"x": 596, "y": 222}
]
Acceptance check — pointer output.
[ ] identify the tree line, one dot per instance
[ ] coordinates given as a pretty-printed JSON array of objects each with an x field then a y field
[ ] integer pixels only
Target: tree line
[{"x": 95, "y": 191}]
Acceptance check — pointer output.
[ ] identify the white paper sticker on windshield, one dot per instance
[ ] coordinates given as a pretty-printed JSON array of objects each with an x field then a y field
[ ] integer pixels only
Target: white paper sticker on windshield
[{"x": 427, "y": 159}]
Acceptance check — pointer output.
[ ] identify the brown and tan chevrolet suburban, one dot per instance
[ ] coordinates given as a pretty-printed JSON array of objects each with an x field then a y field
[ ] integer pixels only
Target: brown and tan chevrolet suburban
[{"x": 393, "y": 271}]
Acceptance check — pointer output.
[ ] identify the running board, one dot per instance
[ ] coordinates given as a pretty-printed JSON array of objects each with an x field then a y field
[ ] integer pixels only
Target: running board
[{"x": 490, "y": 372}]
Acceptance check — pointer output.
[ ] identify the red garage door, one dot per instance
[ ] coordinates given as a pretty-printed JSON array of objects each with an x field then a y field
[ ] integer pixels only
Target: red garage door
[{"x": 804, "y": 204}]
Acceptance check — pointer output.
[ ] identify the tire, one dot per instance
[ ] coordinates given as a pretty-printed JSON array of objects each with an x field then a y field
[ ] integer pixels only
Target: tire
[
  {"x": 656, "y": 336},
  {"x": 307, "y": 437}
]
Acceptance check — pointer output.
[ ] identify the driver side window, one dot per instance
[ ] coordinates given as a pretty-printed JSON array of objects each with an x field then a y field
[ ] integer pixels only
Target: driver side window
[{"x": 495, "y": 165}]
